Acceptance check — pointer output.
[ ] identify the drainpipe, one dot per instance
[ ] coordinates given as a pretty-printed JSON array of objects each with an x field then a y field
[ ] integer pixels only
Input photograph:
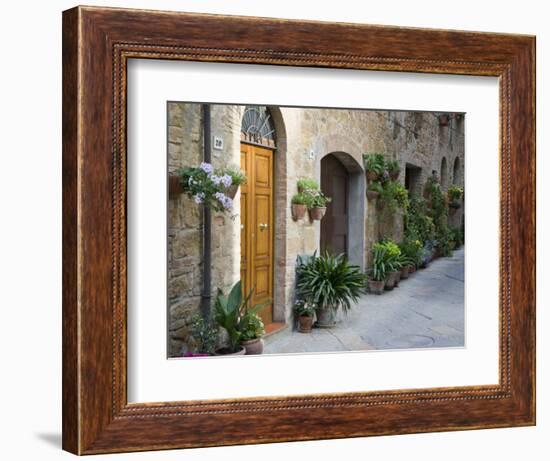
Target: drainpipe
[{"x": 207, "y": 228}]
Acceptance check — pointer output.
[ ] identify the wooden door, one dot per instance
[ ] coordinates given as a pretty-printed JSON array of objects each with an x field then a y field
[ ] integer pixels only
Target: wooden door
[
  {"x": 257, "y": 227},
  {"x": 334, "y": 226}
]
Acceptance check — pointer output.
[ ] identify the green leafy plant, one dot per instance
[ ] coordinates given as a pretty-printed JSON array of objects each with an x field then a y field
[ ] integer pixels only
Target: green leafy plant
[
  {"x": 305, "y": 184},
  {"x": 418, "y": 224},
  {"x": 443, "y": 239},
  {"x": 329, "y": 281},
  {"x": 316, "y": 199},
  {"x": 230, "y": 310},
  {"x": 455, "y": 193},
  {"x": 457, "y": 235},
  {"x": 251, "y": 326},
  {"x": 393, "y": 168},
  {"x": 392, "y": 194},
  {"x": 374, "y": 163},
  {"x": 204, "y": 333},
  {"x": 379, "y": 269},
  {"x": 300, "y": 199},
  {"x": 411, "y": 249},
  {"x": 304, "y": 308}
]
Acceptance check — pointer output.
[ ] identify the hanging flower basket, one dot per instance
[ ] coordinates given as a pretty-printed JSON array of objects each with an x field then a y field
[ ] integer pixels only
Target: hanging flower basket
[
  {"x": 215, "y": 189},
  {"x": 317, "y": 213}
]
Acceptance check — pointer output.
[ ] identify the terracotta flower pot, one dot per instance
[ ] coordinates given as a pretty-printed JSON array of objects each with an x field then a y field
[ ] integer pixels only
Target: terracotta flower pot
[
  {"x": 397, "y": 277},
  {"x": 305, "y": 324},
  {"x": 394, "y": 175},
  {"x": 231, "y": 191},
  {"x": 372, "y": 176},
  {"x": 298, "y": 211},
  {"x": 225, "y": 351},
  {"x": 376, "y": 287},
  {"x": 405, "y": 270},
  {"x": 253, "y": 346},
  {"x": 372, "y": 194},
  {"x": 412, "y": 269},
  {"x": 317, "y": 213},
  {"x": 443, "y": 120},
  {"x": 391, "y": 281}
]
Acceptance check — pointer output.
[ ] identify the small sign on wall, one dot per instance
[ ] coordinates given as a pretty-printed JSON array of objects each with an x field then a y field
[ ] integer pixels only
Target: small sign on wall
[{"x": 218, "y": 143}]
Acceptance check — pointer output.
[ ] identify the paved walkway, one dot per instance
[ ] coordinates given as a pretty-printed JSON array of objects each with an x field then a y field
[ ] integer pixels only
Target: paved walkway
[{"x": 426, "y": 310}]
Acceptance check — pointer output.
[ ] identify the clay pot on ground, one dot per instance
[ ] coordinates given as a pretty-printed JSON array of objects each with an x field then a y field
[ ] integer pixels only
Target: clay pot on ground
[
  {"x": 305, "y": 323},
  {"x": 317, "y": 213},
  {"x": 372, "y": 194},
  {"x": 376, "y": 287},
  {"x": 298, "y": 211},
  {"x": 225, "y": 351},
  {"x": 391, "y": 280},
  {"x": 231, "y": 191},
  {"x": 253, "y": 346},
  {"x": 372, "y": 176},
  {"x": 405, "y": 270},
  {"x": 326, "y": 317},
  {"x": 412, "y": 269}
]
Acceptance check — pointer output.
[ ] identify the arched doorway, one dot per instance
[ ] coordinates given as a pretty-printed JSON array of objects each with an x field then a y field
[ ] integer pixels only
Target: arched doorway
[
  {"x": 443, "y": 173},
  {"x": 456, "y": 171},
  {"x": 334, "y": 226},
  {"x": 257, "y": 213},
  {"x": 342, "y": 230}
]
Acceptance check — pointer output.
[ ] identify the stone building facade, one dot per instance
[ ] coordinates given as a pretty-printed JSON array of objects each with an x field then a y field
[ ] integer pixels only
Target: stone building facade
[{"x": 303, "y": 137}]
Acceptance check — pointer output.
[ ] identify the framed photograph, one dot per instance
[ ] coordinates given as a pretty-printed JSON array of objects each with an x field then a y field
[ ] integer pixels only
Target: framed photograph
[{"x": 280, "y": 230}]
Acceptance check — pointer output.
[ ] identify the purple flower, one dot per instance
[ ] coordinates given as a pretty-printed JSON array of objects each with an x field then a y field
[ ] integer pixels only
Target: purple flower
[
  {"x": 207, "y": 168},
  {"x": 224, "y": 200},
  {"x": 226, "y": 180},
  {"x": 199, "y": 198}
]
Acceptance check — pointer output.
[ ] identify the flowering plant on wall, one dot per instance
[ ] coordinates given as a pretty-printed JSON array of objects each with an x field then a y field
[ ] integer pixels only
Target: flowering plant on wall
[{"x": 213, "y": 188}]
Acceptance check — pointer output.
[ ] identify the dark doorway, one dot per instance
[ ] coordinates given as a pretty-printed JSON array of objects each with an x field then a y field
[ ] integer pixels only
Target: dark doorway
[
  {"x": 334, "y": 226},
  {"x": 412, "y": 179}
]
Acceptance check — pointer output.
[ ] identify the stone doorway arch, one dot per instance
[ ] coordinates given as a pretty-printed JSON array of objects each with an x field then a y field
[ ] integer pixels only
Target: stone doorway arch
[{"x": 354, "y": 215}]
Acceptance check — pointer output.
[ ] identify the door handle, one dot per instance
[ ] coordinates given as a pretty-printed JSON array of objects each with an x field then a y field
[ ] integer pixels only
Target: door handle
[{"x": 263, "y": 226}]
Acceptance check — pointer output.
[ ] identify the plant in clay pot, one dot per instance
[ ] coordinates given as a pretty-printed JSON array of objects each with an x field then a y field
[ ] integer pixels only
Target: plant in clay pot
[
  {"x": 299, "y": 205},
  {"x": 393, "y": 169},
  {"x": 252, "y": 329},
  {"x": 374, "y": 190},
  {"x": 454, "y": 195},
  {"x": 305, "y": 311},
  {"x": 317, "y": 204},
  {"x": 331, "y": 283},
  {"x": 392, "y": 262},
  {"x": 378, "y": 271},
  {"x": 375, "y": 166}
]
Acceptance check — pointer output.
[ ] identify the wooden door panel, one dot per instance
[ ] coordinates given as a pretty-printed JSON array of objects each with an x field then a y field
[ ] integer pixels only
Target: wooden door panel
[{"x": 257, "y": 226}]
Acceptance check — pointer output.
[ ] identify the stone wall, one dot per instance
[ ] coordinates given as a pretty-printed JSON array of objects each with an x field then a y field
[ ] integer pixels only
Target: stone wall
[{"x": 304, "y": 137}]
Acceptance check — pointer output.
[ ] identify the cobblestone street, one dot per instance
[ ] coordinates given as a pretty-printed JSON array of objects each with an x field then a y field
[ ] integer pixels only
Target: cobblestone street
[{"x": 426, "y": 310}]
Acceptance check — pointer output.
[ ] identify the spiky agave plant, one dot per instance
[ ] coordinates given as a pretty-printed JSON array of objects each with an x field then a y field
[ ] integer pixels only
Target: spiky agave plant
[{"x": 330, "y": 281}]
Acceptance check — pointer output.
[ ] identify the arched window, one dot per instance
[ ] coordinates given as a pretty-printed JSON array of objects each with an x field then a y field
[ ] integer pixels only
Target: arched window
[
  {"x": 456, "y": 171},
  {"x": 443, "y": 173},
  {"x": 257, "y": 126}
]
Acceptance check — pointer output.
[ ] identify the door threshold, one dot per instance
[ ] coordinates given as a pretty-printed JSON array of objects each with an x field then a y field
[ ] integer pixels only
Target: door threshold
[{"x": 274, "y": 327}]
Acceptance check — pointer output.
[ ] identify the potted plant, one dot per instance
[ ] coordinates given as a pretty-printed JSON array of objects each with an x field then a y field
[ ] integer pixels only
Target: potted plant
[
  {"x": 443, "y": 119},
  {"x": 227, "y": 311},
  {"x": 454, "y": 194},
  {"x": 393, "y": 169},
  {"x": 331, "y": 283},
  {"x": 305, "y": 311},
  {"x": 375, "y": 165},
  {"x": 251, "y": 329},
  {"x": 411, "y": 251},
  {"x": 392, "y": 261},
  {"x": 373, "y": 190},
  {"x": 317, "y": 204},
  {"x": 377, "y": 276},
  {"x": 213, "y": 188},
  {"x": 299, "y": 206}
]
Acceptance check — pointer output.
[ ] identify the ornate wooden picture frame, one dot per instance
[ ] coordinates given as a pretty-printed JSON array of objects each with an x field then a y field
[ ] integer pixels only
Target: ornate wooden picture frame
[{"x": 97, "y": 44}]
